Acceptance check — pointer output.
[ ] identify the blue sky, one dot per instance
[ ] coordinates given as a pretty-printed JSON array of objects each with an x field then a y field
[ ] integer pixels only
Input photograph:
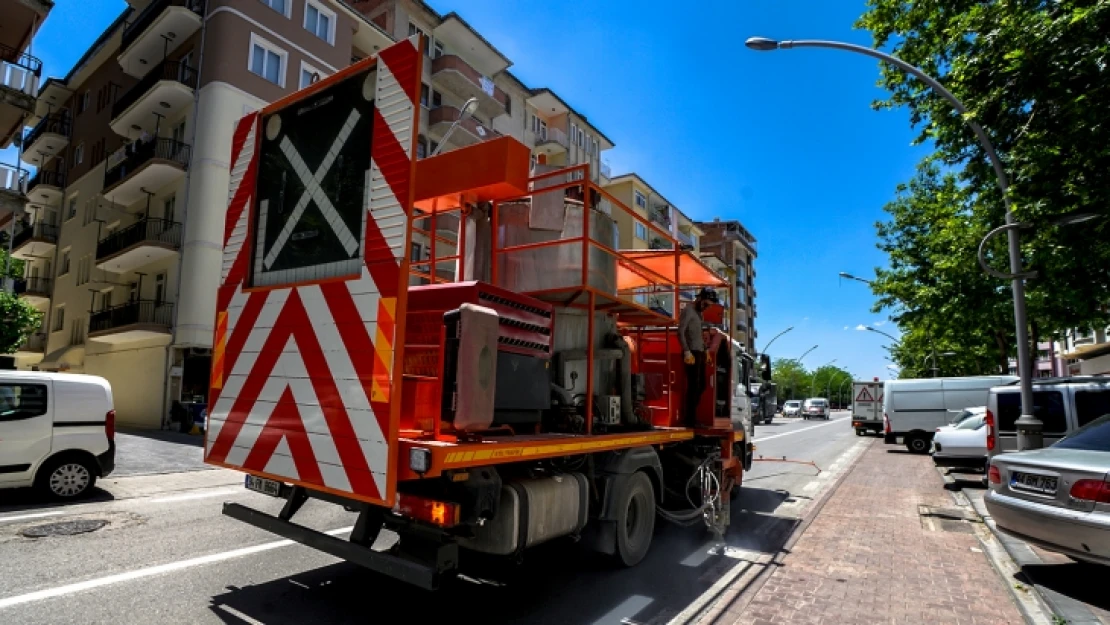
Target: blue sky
[{"x": 784, "y": 141}]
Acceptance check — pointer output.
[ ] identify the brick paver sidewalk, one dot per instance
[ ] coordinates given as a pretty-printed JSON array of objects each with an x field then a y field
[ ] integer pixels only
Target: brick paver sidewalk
[{"x": 867, "y": 558}]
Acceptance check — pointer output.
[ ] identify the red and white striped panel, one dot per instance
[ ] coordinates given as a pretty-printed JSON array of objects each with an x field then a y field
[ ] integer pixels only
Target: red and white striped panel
[{"x": 302, "y": 389}]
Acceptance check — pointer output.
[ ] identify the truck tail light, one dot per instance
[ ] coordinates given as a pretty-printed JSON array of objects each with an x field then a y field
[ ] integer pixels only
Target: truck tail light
[
  {"x": 886, "y": 423},
  {"x": 1091, "y": 490},
  {"x": 110, "y": 425},
  {"x": 438, "y": 513},
  {"x": 994, "y": 475},
  {"x": 989, "y": 420}
]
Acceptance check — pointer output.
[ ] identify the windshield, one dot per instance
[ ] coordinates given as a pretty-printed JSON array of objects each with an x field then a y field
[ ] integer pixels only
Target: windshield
[
  {"x": 972, "y": 422},
  {"x": 793, "y": 404},
  {"x": 1095, "y": 436}
]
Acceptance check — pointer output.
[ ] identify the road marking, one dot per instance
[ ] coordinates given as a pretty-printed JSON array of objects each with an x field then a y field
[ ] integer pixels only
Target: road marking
[
  {"x": 37, "y": 515},
  {"x": 216, "y": 493},
  {"x": 239, "y": 615},
  {"x": 812, "y": 427},
  {"x": 69, "y": 589}
]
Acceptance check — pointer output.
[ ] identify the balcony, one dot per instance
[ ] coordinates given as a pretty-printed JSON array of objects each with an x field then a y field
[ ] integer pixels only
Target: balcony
[
  {"x": 34, "y": 241},
  {"x": 166, "y": 90},
  {"x": 35, "y": 290},
  {"x": 469, "y": 131},
  {"x": 157, "y": 31},
  {"x": 687, "y": 239},
  {"x": 33, "y": 344},
  {"x": 134, "y": 321},
  {"x": 657, "y": 243},
  {"x": 138, "y": 166},
  {"x": 46, "y": 187},
  {"x": 660, "y": 214},
  {"x": 49, "y": 137},
  {"x": 13, "y": 189},
  {"x": 143, "y": 242},
  {"x": 459, "y": 77},
  {"x": 19, "y": 86},
  {"x": 552, "y": 141},
  {"x": 606, "y": 172}
]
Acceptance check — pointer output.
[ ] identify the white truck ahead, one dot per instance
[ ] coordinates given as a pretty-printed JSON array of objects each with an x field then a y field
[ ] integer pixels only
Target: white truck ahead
[{"x": 867, "y": 406}]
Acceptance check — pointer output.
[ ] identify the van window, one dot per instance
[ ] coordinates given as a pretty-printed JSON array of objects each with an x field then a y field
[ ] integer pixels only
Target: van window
[
  {"x": 22, "y": 401},
  {"x": 1090, "y": 405},
  {"x": 1048, "y": 406}
]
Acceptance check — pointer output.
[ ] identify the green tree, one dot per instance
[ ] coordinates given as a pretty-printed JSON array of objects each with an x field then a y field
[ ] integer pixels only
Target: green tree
[
  {"x": 791, "y": 379},
  {"x": 18, "y": 320},
  {"x": 12, "y": 268},
  {"x": 825, "y": 381}
]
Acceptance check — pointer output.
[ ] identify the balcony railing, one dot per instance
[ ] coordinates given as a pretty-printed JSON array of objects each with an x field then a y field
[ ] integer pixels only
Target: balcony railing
[
  {"x": 166, "y": 70},
  {"x": 13, "y": 179},
  {"x": 659, "y": 244},
  {"x": 160, "y": 231},
  {"x": 147, "y": 312},
  {"x": 686, "y": 239},
  {"x": 19, "y": 71},
  {"x": 34, "y": 343},
  {"x": 47, "y": 177},
  {"x": 659, "y": 214},
  {"x": 33, "y": 286},
  {"x": 552, "y": 135},
  {"x": 606, "y": 172},
  {"x": 137, "y": 26},
  {"x": 57, "y": 123},
  {"x": 40, "y": 231},
  {"x": 128, "y": 159}
]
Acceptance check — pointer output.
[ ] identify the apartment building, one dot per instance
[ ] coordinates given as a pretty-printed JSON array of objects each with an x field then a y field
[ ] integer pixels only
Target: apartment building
[
  {"x": 735, "y": 245},
  {"x": 1083, "y": 352},
  {"x": 635, "y": 193},
  {"x": 123, "y": 229},
  {"x": 20, "y": 72}
]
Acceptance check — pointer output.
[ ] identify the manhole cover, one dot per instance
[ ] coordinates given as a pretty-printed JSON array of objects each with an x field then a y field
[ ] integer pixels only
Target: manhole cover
[{"x": 65, "y": 528}]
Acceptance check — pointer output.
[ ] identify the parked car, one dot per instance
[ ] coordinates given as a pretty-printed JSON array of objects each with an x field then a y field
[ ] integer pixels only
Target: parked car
[
  {"x": 1057, "y": 498},
  {"x": 792, "y": 408},
  {"x": 816, "y": 408},
  {"x": 1062, "y": 404},
  {"x": 57, "y": 432},
  {"x": 963, "y": 444},
  {"x": 914, "y": 409}
]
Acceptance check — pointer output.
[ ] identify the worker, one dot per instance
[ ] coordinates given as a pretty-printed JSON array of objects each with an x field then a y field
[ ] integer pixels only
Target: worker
[{"x": 693, "y": 351}]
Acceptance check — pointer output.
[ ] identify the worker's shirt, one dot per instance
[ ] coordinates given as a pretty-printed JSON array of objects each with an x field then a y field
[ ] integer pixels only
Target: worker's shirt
[{"x": 689, "y": 329}]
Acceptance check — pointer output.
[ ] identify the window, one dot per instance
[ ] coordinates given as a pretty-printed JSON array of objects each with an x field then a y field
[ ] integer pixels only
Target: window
[
  {"x": 281, "y": 6},
  {"x": 177, "y": 134},
  {"x": 64, "y": 269},
  {"x": 319, "y": 21},
  {"x": 83, "y": 102},
  {"x": 641, "y": 201},
  {"x": 416, "y": 252},
  {"x": 437, "y": 98},
  {"x": 973, "y": 423},
  {"x": 1090, "y": 405},
  {"x": 741, "y": 295},
  {"x": 59, "y": 319},
  {"x": 83, "y": 270},
  {"x": 432, "y": 147},
  {"x": 106, "y": 299},
  {"x": 89, "y": 213},
  {"x": 77, "y": 332},
  {"x": 79, "y": 154},
  {"x": 159, "y": 289},
  {"x": 1048, "y": 406},
  {"x": 22, "y": 401},
  {"x": 169, "y": 208},
  {"x": 573, "y": 133},
  {"x": 310, "y": 74},
  {"x": 267, "y": 60},
  {"x": 641, "y": 231},
  {"x": 416, "y": 30},
  {"x": 421, "y": 147},
  {"x": 133, "y": 292},
  {"x": 425, "y": 94},
  {"x": 437, "y": 50},
  {"x": 597, "y": 147},
  {"x": 1094, "y": 437}
]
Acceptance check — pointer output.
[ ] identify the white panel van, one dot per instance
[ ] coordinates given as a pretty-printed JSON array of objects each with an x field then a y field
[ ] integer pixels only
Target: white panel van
[
  {"x": 57, "y": 432},
  {"x": 914, "y": 409}
]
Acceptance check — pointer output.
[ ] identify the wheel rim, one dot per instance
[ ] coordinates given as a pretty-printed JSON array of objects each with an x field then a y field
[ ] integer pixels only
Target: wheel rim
[
  {"x": 917, "y": 444},
  {"x": 69, "y": 480},
  {"x": 634, "y": 520}
]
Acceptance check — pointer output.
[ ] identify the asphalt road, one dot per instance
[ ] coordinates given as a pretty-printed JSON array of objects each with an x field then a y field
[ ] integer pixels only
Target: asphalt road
[{"x": 171, "y": 557}]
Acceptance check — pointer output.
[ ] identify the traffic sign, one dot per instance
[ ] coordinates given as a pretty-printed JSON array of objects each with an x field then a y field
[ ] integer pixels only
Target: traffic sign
[{"x": 864, "y": 395}]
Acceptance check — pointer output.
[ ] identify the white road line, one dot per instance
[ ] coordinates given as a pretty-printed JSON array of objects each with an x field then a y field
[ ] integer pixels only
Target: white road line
[
  {"x": 239, "y": 615},
  {"x": 69, "y": 589},
  {"x": 37, "y": 515},
  {"x": 215, "y": 493},
  {"x": 812, "y": 427}
]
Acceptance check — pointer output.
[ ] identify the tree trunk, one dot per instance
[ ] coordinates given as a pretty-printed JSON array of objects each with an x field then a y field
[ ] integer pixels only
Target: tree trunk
[
  {"x": 1034, "y": 337},
  {"x": 1003, "y": 352}
]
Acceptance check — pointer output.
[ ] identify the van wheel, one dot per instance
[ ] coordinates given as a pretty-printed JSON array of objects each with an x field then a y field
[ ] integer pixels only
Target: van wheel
[
  {"x": 635, "y": 519},
  {"x": 65, "y": 477},
  {"x": 860, "y": 432},
  {"x": 917, "y": 444}
]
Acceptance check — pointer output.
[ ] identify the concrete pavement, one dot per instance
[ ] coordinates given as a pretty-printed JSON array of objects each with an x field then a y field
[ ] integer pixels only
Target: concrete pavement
[{"x": 169, "y": 556}]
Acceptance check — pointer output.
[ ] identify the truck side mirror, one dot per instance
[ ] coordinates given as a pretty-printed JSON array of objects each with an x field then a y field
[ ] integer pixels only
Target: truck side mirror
[{"x": 765, "y": 367}]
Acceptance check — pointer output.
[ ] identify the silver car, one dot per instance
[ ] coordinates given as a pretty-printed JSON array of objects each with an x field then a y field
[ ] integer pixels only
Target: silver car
[{"x": 1057, "y": 498}]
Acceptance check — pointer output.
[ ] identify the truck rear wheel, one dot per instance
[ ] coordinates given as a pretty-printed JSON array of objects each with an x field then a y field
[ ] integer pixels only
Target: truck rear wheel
[{"x": 635, "y": 519}]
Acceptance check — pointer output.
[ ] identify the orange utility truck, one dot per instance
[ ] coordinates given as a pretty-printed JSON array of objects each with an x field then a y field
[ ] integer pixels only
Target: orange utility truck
[{"x": 454, "y": 348}]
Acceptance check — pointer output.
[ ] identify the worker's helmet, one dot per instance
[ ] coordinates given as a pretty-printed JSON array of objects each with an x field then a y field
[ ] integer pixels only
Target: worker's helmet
[{"x": 709, "y": 295}]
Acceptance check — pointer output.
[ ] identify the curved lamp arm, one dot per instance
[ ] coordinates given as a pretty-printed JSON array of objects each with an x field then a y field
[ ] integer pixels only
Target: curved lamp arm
[{"x": 983, "y": 254}]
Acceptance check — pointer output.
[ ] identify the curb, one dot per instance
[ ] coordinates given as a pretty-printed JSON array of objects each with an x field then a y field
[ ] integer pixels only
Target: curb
[
  {"x": 739, "y": 602},
  {"x": 1000, "y": 552}
]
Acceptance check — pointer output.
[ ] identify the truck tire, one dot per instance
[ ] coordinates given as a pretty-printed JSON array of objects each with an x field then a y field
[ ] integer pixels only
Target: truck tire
[
  {"x": 635, "y": 519},
  {"x": 860, "y": 432},
  {"x": 917, "y": 444}
]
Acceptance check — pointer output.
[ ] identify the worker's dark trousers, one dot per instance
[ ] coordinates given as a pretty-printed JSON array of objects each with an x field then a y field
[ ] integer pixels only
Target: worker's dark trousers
[{"x": 695, "y": 386}]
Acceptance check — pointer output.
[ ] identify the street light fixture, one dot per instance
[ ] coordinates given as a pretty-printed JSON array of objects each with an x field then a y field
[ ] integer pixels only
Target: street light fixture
[
  {"x": 1029, "y": 427},
  {"x": 465, "y": 113},
  {"x": 768, "y": 345},
  {"x": 849, "y": 276},
  {"x": 893, "y": 338},
  {"x": 934, "y": 368}
]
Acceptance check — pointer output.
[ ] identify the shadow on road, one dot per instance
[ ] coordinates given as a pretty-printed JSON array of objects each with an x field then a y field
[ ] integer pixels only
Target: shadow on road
[
  {"x": 29, "y": 500},
  {"x": 166, "y": 436},
  {"x": 556, "y": 584},
  {"x": 1083, "y": 582}
]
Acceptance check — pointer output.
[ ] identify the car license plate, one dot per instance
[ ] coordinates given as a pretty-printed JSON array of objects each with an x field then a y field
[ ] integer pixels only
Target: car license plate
[
  {"x": 1042, "y": 484},
  {"x": 264, "y": 486}
]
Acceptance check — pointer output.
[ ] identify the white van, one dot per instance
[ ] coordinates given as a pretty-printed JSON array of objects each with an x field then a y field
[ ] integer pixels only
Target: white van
[
  {"x": 57, "y": 432},
  {"x": 914, "y": 409},
  {"x": 1062, "y": 404}
]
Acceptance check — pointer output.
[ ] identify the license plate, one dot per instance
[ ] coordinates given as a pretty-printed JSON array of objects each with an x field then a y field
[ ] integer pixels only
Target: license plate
[
  {"x": 1042, "y": 484},
  {"x": 264, "y": 486}
]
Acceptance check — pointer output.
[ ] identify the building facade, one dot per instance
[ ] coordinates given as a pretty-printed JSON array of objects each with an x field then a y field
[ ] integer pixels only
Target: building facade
[{"x": 735, "y": 245}]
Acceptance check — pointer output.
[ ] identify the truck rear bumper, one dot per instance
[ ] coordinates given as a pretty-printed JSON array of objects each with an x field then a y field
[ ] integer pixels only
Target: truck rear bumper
[{"x": 417, "y": 573}]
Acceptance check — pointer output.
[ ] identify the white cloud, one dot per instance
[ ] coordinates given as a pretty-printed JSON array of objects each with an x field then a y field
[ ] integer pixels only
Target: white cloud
[{"x": 861, "y": 328}]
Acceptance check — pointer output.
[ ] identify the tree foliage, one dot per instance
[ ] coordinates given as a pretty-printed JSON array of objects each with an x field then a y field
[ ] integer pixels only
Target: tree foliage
[
  {"x": 18, "y": 320},
  {"x": 1036, "y": 76},
  {"x": 794, "y": 381}
]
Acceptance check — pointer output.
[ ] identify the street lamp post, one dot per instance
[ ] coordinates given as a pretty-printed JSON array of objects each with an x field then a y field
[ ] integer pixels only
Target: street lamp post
[
  {"x": 933, "y": 370},
  {"x": 1029, "y": 427},
  {"x": 849, "y": 276},
  {"x": 768, "y": 345},
  {"x": 893, "y": 338},
  {"x": 828, "y": 386},
  {"x": 800, "y": 362}
]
